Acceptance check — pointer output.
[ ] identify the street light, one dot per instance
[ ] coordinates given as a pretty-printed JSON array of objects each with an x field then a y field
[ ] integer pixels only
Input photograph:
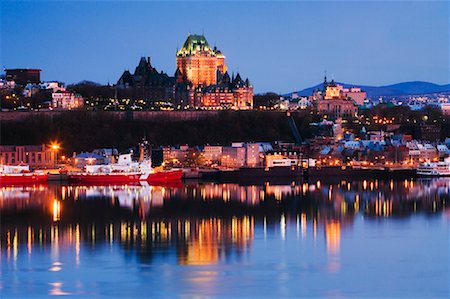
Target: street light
[{"x": 55, "y": 147}]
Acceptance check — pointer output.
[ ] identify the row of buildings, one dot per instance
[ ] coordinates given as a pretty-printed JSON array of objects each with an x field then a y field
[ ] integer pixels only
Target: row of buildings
[
  {"x": 331, "y": 100},
  {"x": 36, "y": 156},
  {"x": 239, "y": 154},
  {"x": 378, "y": 149},
  {"x": 54, "y": 93}
]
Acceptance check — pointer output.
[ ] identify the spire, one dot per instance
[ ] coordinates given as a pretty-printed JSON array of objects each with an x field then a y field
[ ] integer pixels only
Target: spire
[
  {"x": 226, "y": 78},
  {"x": 325, "y": 83}
]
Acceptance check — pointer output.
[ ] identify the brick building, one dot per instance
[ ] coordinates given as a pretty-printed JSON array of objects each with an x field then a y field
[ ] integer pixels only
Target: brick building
[{"x": 37, "y": 156}]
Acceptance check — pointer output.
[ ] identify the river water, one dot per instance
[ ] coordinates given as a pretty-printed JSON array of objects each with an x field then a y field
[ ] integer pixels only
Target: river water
[{"x": 334, "y": 239}]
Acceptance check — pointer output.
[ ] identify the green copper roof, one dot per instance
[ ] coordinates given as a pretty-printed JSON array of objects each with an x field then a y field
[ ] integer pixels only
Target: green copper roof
[{"x": 193, "y": 44}]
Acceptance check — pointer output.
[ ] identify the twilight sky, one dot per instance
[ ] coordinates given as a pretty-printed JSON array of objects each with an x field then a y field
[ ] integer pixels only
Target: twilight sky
[{"x": 281, "y": 46}]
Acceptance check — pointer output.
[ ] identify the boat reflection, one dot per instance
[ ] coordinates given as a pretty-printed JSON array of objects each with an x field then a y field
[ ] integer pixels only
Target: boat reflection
[{"x": 202, "y": 223}]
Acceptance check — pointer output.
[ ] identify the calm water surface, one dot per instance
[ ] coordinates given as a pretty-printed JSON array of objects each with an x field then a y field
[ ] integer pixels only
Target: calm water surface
[{"x": 333, "y": 239}]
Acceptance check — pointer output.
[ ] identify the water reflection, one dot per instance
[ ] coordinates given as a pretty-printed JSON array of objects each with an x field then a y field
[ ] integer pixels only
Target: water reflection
[
  {"x": 376, "y": 198},
  {"x": 205, "y": 220},
  {"x": 197, "y": 224}
]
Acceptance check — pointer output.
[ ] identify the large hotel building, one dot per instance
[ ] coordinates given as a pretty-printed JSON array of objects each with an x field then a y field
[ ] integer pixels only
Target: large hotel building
[
  {"x": 202, "y": 80},
  {"x": 199, "y": 62}
]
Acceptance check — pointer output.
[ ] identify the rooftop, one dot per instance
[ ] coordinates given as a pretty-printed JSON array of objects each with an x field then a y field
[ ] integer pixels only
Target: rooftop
[{"x": 195, "y": 44}]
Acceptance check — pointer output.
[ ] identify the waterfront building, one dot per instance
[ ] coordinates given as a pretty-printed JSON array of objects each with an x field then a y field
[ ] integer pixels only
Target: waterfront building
[
  {"x": 37, "y": 156},
  {"x": 252, "y": 154},
  {"x": 421, "y": 152},
  {"x": 278, "y": 160},
  {"x": 146, "y": 83},
  {"x": 23, "y": 76},
  {"x": 212, "y": 153},
  {"x": 64, "y": 99},
  {"x": 175, "y": 154},
  {"x": 202, "y": 80},
  {"x": 83, "y": 159},
  {"x": 233, "y": 157}
]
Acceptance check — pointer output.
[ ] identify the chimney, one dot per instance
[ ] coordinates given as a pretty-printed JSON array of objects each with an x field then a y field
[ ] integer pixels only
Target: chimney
[{"x": 148, "y": 59}]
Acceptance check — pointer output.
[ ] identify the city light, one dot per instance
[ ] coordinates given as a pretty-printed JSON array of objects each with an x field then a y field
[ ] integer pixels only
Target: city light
[{"x": 55, "y": 146}]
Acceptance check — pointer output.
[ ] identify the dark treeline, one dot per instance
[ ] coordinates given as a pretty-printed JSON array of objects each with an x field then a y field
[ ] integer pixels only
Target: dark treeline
[{"x": 81, "y": 131}]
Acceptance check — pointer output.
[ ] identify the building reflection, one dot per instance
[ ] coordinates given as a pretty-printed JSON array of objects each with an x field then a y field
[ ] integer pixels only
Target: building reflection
[{"x": 201, "y": 223}]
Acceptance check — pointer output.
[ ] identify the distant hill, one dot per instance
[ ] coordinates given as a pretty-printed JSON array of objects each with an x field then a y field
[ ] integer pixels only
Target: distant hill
[{"x": 405, "y": 88}]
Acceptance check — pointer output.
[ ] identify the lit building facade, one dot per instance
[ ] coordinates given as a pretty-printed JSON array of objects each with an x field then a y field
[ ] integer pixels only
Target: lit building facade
[
  {"x": 202, "y": 80},
  {"x": 64, "y": 99},
  {"x": 198, "y": 62},
  {"x": 333, "y": 103},
  {"x": 36, "y": 156},
  {"x": 212, "y": 153},
  {"x": 356, "y": 94}
]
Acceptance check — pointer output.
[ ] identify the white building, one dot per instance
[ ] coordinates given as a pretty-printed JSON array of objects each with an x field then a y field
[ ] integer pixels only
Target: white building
[
  {"x": 212, "y": 153},
  {"x": 304, "y": 103},
  {"x": 418, "y": 151},
  {"x": 66, "y": 100},
  {"x": 280, "y": 161},
  {"x": 55, "y": 86}
]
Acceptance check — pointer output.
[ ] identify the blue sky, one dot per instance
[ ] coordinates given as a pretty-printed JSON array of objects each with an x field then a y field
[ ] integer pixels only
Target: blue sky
[{"x": 281, "y": 46}]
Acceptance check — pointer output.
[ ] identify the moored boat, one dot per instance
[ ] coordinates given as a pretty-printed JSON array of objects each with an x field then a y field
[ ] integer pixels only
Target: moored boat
[
  {"x": 20, "y": 174},
  {"x": 441, "y": 168},
  {"x": 124, "y": 171}
]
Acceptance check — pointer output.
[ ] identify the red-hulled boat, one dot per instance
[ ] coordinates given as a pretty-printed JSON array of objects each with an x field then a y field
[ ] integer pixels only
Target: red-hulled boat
[
  {"x": 124, "y": 171},
  {"x": 20, "y": 174}
]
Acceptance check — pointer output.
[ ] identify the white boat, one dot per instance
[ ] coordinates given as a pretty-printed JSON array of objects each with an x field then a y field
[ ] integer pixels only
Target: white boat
[
  {"x": 441, "y": 168},
  {"x": 124, "y": 171}
]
